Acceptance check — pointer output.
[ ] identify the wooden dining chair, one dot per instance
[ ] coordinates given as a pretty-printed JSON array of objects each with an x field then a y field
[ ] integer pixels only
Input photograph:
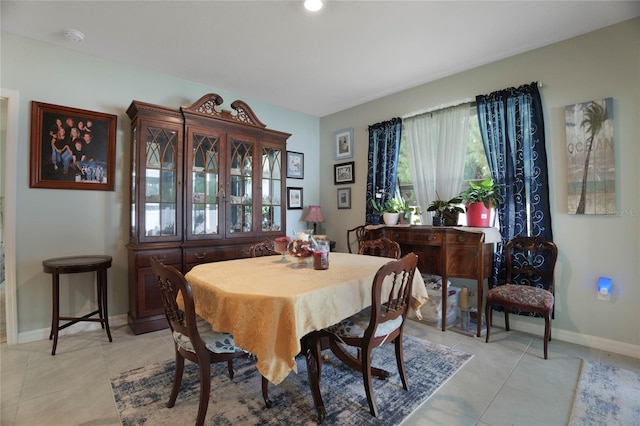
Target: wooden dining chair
[
  {"x": 360, "y": 234},
  {"x": 381, "y": 323},
  {"x": 263, "y": 248},
  {"x": 382, "y": 247},
  {"x": 193, "y": 337},
  {"x": 530, "y": 264}
]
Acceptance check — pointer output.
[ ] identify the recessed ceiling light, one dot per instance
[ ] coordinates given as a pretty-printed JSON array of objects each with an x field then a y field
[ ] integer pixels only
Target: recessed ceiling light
[
  {"x": 313, "y": 5},
  {"x": 73, "y": 36}
]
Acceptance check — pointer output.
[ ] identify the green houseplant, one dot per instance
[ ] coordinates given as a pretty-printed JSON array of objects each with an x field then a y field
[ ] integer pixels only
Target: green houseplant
[
  {"x": 378, "y": 211},
  {"x": 480, "y": 198},
  {"x": 393, "y": 208},
  {"x": 378, "y": 208},
  {"x": 486, "y": 192},
  {"x": 446, "y": 212},
  {"x": 395, "y": 205}
]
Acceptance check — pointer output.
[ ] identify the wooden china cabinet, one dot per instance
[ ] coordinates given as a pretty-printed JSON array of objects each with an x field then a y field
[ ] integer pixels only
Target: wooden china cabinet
[{"x": 205, "y": 184}]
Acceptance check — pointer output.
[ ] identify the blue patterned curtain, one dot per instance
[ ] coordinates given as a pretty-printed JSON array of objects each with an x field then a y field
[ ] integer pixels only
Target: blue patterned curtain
[
  {"x": 384, "y": 146},
  {"x": 512, "y": 129}
]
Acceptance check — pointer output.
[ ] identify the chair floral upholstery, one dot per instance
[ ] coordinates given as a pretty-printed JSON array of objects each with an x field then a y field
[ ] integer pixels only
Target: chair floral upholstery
[
  {"x": 522, "y": 298},
  {"x": 530, "y": 265},
  {"x": 215, "y": 341}
]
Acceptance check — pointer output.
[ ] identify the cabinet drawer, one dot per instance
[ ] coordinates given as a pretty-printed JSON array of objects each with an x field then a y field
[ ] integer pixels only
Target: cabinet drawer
[
  {"x": 203, "y": 255},
  {"x": 168, "y": 257},
  {"x": 413, "y": 237},
  {"x": 464, "y": 238}
]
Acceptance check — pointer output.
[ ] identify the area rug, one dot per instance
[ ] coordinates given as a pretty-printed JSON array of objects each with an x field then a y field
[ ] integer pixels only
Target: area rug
[
  {"x": 141, "y": 394},
  {"x": 606, "y": 395}
]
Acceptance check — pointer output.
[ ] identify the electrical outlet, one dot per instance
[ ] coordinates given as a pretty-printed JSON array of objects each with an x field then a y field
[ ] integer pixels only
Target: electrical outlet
[{"x": 604, "y": 296}]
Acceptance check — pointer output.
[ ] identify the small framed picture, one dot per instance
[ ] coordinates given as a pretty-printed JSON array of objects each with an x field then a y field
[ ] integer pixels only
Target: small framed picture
[
  {"x": 294, "y": 198},
  {"x": 344, "y": 198},
  {"x": 344, "y": 144},
  {"x": 295, "y": 165},
  {"x": 343, "y": 173}
]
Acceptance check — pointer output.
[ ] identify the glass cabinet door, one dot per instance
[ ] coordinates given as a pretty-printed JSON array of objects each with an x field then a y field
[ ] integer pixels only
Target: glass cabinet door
[
  {"x": 160, "y": 191},
  {"x": 271, "y": 189},
  {"x": 204, "y": 216},
  {"x": 240, "y": 186}
]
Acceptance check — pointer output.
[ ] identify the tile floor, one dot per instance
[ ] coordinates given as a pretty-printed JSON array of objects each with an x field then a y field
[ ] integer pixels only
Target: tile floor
[{"x": 507, "y": 381}]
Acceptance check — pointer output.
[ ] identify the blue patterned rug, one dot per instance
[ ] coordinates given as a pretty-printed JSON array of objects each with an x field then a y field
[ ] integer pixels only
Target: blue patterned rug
[
  {"x": 606, "y": 396},
  {"x": 141, "y": 394}
]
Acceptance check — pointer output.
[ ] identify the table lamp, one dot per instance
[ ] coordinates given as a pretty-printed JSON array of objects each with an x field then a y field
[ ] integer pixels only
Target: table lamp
[{"x": 314, "y": 215}]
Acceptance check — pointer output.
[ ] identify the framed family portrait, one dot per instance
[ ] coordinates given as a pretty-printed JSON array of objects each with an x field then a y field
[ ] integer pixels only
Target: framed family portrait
[
  {"x": 344, "y": 144},
  {"x": 295, "y": 165},
  {"x": 72, "y": 148},
  {"x": 343, "y": 173},
  {"x": 344, "y": 198},
  {"x": 294, "y": 198}
]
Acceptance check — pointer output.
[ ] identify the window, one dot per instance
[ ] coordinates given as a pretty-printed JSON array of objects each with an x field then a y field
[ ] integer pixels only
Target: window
[{"x": 476, "y": 166}]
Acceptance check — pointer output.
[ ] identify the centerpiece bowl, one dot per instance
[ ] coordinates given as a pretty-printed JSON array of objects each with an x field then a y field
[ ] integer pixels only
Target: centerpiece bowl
[{"x": 301, "y": 250}]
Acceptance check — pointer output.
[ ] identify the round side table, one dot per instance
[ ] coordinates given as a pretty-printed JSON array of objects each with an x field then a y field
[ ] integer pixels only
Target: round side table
[{"x": 74, "y": 265}]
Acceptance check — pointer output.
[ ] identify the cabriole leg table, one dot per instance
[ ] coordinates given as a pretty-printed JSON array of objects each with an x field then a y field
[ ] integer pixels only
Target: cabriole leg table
[{"x": 74, "y": 265}]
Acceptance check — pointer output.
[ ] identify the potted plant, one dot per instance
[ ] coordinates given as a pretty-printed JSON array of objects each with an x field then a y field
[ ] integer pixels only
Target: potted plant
[
  {"x": 378, "y": 211},
  {"x": 446, "y": 212},
  {"x": 480, "y": 198},
  {"x": 392, "y": 210}
]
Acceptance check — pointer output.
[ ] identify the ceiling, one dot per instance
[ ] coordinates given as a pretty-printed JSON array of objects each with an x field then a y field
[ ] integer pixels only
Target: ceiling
[{"x": 275, "y": 51}]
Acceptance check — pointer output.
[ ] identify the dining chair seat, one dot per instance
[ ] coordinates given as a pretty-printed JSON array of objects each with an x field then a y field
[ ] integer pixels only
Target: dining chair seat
[
  {"x": 521, "y": 298},
  {"x": 355, "y": 325},
  {"x": 215, "y": 341}
]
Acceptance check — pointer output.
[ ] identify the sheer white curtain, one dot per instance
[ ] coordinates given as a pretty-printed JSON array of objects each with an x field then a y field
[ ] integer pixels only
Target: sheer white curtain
[{"x": 437, "y": 144}]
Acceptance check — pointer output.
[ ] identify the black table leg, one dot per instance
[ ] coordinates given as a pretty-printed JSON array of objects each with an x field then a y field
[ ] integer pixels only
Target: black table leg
[
  {"x": 102, "y": 300},
  {"x": 55, "y": 317}
]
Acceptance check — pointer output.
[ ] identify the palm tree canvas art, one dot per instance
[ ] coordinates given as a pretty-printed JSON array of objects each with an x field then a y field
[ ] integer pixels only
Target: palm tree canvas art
[{"x": 590, "y": 156}]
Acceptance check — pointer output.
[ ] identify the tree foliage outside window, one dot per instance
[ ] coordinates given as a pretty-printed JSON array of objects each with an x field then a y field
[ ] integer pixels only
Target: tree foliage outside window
[
  {"x": 405, "y": 184},
  {"x": 476, "y": 167}
]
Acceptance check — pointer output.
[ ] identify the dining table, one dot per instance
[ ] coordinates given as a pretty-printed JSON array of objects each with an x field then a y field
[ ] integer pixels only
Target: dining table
[{"x": 270, "y": 303}]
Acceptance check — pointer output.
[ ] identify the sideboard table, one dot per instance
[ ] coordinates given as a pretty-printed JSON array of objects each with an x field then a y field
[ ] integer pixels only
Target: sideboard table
[{"x": 448, "y": 251}]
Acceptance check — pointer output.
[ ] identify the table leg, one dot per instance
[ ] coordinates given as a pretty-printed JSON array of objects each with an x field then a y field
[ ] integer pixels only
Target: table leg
[
  {"x": 480, "y": 291},
  {"x": 99, "y": 288},
  {"x": 55, "y": 316},
  {"x": 314, "y": 360},
  {"x": 102, "y": 301}
]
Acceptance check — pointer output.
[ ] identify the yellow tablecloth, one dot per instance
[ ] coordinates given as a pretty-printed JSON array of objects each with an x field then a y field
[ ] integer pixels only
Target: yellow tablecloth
[{"x": 269, "y": 306}]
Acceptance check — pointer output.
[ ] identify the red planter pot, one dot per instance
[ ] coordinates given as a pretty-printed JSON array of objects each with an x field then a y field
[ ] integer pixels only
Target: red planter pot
[{"x": 478, "y": 215}]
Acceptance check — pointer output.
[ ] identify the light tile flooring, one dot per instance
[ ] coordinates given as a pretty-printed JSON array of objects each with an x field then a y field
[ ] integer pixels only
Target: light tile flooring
[{"x": 507, "y": 381}]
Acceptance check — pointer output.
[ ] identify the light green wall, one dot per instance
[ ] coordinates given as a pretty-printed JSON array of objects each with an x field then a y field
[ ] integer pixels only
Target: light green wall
[
  {"x": 601, "y": 64},
  {"x": 54, "y": 223},
  {"x": 597, "y": 65}
]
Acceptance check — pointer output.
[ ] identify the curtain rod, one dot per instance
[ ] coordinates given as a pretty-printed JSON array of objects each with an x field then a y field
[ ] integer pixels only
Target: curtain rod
[
  {"x": 438, "y": 108},
  {"x": 445, "y": 106}
]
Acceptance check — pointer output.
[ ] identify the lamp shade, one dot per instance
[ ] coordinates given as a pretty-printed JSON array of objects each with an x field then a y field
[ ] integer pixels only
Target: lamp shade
[{"x": 314, "y": 215}]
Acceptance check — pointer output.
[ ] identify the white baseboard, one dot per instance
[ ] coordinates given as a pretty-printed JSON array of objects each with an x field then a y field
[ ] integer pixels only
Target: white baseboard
[
  {"x": 595, "y": 342},
  {"x": 43, "y": 333}
]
